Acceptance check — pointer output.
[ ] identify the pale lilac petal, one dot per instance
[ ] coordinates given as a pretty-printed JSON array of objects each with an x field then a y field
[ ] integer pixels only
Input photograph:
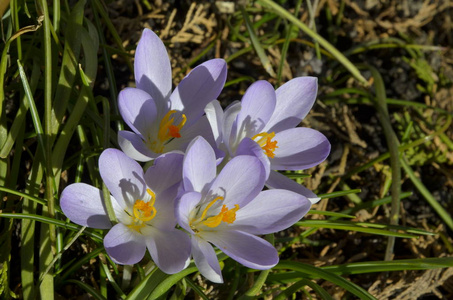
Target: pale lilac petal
[
  {"x": 165, "y": 208},
  {"x": 271, "y": 211},
  {"x": 294, "y": 100},
  {"x": 240, "y": 181},
  {"x": 214, "y": 114},
  {"x": 206, "y": 260},
  {"x": 165, "y": 172},
  {"x": 199, "y": 165},
  {"x": 250, "y": 147},
  {"x": 184, "y": 207},
  {"x": 258, "y": 104},
  {"x": 280, "y": 181},
  {"x": 170, "y": 249},
  {"x": 138, "y": 110},
  {"x": 133, "y": 146},
  {"x": 201, "y": 86},
  {"x": 299, "y": 148},
  {"x": 153, "y": 70},
  {"x": 230, "y": 126},
  {"x": 245, "y": 248},
  {"x": 122, "y": 176},
  {"x": 124, "y": 246},
  {"x": 83, "y": 204}
]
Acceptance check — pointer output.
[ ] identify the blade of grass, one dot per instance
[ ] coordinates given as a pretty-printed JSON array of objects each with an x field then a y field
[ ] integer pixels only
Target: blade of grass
[
  {"x": 402, "y": 148},
  {"x": 445, "y": 216},
  {"x": 371, "y": 228},
  {"x": 315, "y": 272},
  {"x": 196, "y": 289},
  {"x": 339, "y": 194},
  {"x": 156, "y": 283},
  {"x": 91, "y": 291},
  {"x": 395, "y": 265},
  {"x": 113, "y": 32},
  {"x": 28, "y": 227},
  {"x": 324, "y": 43},
  {"x": 24, "y": 195},
  {"x": 110, "y": 278},
  {"x": 33, "y": 110},
  {"x": 286, "y": 294},
  {"x": 52, "y": 221},
  {"x": 392, "y": 144},
  {"x": 257, "y": 45},
  {"x": 47, "y": 233},
  {"x": 21, "y": 114},
  {"x": 69, "y": 64},
  {"x": 291, "y": 29},
  {"x": 98, "y": 9},
  {"x": 330, "y": 214},
  {"x": 78, "y": 264}
]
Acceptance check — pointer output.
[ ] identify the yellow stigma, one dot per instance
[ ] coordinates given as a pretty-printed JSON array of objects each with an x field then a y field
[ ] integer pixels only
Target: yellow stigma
[
  {"x": 167, "y": 131},
  {"x": 264, "y": 139},
  {"x": 143, "y": 212},
  {"x": 225, "y": 215}
]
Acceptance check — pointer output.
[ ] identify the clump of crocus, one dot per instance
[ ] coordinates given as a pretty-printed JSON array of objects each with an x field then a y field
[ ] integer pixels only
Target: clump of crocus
[
  {"x": 229, "y": 210},
  {"x": 264, "y": 124},
  {"x": 161, "y": 120},
  {"x": 143, "y": 204}
]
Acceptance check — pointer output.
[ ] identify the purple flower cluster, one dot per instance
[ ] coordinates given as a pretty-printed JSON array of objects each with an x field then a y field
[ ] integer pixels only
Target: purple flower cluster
[{"x": 205, "y": 186}]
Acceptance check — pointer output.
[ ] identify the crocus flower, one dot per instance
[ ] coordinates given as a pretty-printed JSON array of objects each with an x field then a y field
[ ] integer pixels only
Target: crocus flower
[
  {"x": 162, "y": 121},
  {"x": 143, "y": 205},
  {"x": 264, "y": 124},
  {"x": 229, "y": 210}
]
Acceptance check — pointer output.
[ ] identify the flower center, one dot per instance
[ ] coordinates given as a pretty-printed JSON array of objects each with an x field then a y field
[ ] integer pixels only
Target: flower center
[
  {"x": 266, "y": 143},
  {"x": 143, "y": 212},
  {"x": 225, "y": 215},
  {"x": 167, "y": 131}
]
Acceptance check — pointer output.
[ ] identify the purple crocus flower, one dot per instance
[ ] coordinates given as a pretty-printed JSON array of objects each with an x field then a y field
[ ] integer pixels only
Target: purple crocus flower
[
  {"x": 162, "y": 121},
  {"x": 229, "y": 210},
  {"x": 143, "y": 205},
  {"x": 264, "y": 124}
]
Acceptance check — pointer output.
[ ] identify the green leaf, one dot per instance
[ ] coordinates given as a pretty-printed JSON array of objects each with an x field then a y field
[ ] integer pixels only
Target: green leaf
[
  {"x": 95, "y": 294},
  {"x": 395, "y": 265},
  {"x": 372, "y": 228},
  {"x": 157, "y": 283},
  {"x": 52, "y": 221},
  {"x": 315, "y": 273}
]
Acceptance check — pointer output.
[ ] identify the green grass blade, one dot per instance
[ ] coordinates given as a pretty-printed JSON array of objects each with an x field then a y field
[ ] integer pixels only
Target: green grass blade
[
  {"x": 392, "y": 144},
  {"x": 395, "y": 265},
  {"x": 315, "y": 273},
  {"x": 196, "y": 289},
  {"x": 78, "y": 264},
  {"x": 257, "y": 45},
  {"x": 157, "y": 283},
  {"x": 329, "y": 214},
  {"x": 24, "y": 195},
  {"x": 69, "y": 64},
  {"x": 91, "y": 291},
  {"x": 324, "y": 43},
  {"x": 34, "y": 111},
  {"x": 286, "y": 294},
  {"x": 371, "y": 228},
  {"x": 445, "y": 216},
  {"x": 52, "y": 221},
  {"x": 339, "y": 194}
]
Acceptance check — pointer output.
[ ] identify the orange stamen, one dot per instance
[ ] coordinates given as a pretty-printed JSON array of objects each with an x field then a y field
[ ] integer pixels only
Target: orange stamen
[
  {"x": 264, "y": 139},
  {"x": 143, "y": 212}
]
